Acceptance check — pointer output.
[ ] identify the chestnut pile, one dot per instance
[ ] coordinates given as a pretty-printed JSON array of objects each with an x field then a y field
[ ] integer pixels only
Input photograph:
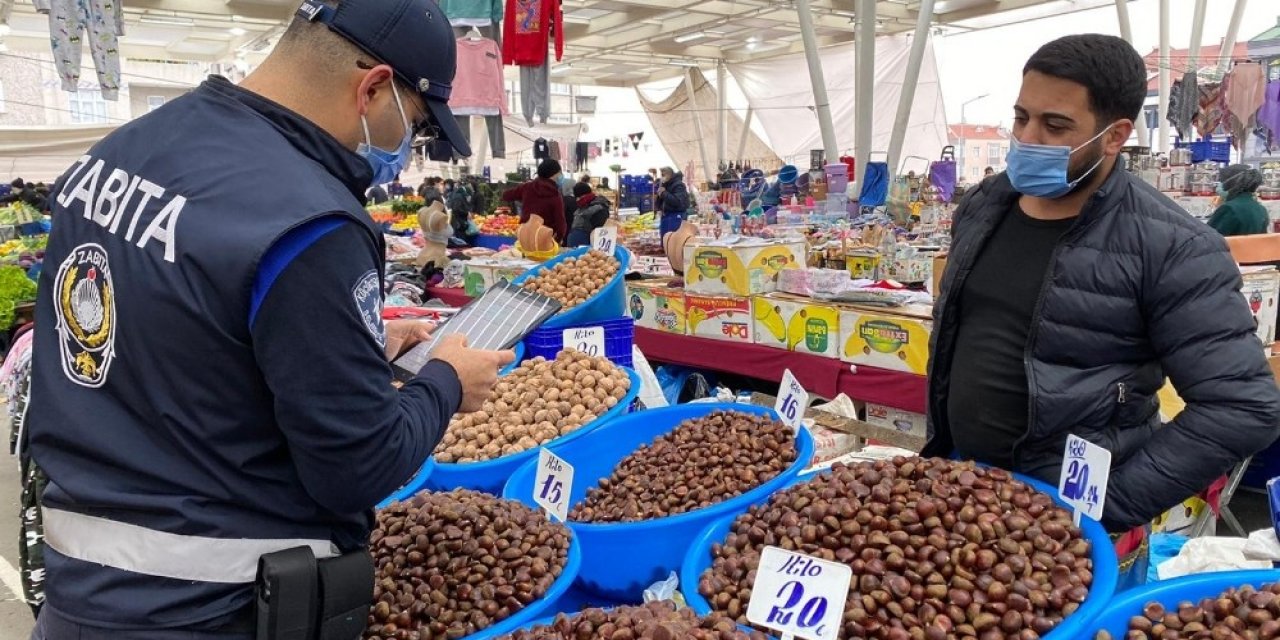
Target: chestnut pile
[
  {"x": 701, "y": 462},
  {"x": 537, "y": 402},
  {"x": 651, "y": 621},
  {"x": 1245, "y": 613},
  {"x": 939, "y": 550},
  {"x": 447, "y": 565},
  {"x": 573, "y": 280}
]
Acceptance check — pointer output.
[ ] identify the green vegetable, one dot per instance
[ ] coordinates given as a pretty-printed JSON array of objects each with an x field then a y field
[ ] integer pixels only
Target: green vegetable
[{"x": 15, "y": 287}]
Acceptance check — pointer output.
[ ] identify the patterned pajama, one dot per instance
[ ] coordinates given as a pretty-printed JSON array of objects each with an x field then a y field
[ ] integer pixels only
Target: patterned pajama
[{"x": 73, "y": 21}]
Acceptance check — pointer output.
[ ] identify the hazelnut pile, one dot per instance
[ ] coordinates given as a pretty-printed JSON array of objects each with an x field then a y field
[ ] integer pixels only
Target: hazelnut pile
[
  {"x": 652, "y": 621},
  {"x": 450, "y": 564},
  {"x": 939, "y": 550},
  {"x": 537, "y": 402},
  {"x": 1245, "y": 613},
  {"x": 573, "y": 280},
  {"x": 701, "y": 462}
]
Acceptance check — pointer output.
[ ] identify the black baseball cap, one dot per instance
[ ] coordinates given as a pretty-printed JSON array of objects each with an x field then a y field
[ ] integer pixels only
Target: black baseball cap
[{"x": 413, "y": 37}]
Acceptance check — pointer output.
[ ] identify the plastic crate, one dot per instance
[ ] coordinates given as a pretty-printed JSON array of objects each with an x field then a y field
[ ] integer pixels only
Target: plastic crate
[
  {"x": 1208, "y": 150},
  {"x": 619, "y": 335}
]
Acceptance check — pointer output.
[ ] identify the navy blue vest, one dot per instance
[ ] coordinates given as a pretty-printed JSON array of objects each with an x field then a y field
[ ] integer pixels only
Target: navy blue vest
[{"x": 147, "y": 406}]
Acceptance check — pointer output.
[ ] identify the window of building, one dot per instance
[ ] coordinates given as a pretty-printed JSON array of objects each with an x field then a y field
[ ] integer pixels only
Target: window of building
[
  {"x": 975, "y": 151},
  {"x": 87, "y": 107},
  {"x": 154, "y": 102},
  {"x": 2, "y": 105},
  {"x": 995, "y": 151},
  {"x": 558, "y": 89}
]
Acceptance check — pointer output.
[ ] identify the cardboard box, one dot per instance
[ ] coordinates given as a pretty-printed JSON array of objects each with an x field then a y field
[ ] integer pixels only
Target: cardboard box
[
  {"x": 654, "y": 305},
  {"x": 897, "y": 340},
  {"x": 741, "y": 269},
  {"x": 902, "y": 421},
  {"x": 719, "y": 317},
  {"x": 796, "y": 323},
  {"x": 653, "y": 266},
  {"x": 1261, "y": 290},
  {"x": 481, "y": 273}
]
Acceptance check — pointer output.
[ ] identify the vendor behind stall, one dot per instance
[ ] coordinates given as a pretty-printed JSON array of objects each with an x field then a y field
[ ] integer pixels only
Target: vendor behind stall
[
  {"x": 591, "y": 211},
  {"x": 1073, "y": 289},
  {"x": 542, "y": 196},
  {"x": 672, "y": 201},
  {"x": 1240, "y": 213}
]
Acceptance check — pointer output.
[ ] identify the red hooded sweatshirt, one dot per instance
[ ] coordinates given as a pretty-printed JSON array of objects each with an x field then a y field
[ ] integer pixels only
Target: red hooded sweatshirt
[
  {"x": 541, "y": 196},
  {"x": 526, "y": 29}
]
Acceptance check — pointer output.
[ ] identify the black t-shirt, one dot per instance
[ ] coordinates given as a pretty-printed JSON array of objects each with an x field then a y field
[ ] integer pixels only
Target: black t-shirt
[{"x": 988, "y": 405}]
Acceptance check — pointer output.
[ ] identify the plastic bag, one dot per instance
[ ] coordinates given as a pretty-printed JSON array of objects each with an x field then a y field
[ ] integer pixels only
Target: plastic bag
[
  {"x": 668, "y": 589},
  {"x": 650, "y": 389},
  {"x": 681, "y": 384},
  {"x": 875, "y": 187},
  {"x": 899, "y": 203},
  {"x": 1206, "y": 555}
]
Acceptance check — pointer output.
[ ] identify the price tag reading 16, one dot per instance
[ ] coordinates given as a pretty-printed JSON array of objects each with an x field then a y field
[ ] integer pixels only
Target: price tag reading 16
[
  {"x": 792, "y": 402},
  {"x": 799, "y": 596}
]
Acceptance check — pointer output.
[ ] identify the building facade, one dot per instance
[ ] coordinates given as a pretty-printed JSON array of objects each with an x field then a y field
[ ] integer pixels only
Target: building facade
[{"x": 978, "y": 146}]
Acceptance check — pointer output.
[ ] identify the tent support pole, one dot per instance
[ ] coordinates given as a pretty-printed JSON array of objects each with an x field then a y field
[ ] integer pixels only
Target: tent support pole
[
  {"x": 1126, "y": 32},
  {"x": 909, "y": 82},
  {"x": 1197, "y": 34},
  {"x": 864, "y": 77},
  {"x": 1163, "y": 74},
  {"x": 746, "y": 133},
  {"x": 823, "y": 104},
  {"x": 722, "y": 115},
  {"x": 697, "y": 124},
  {"x": 1233, "y": 31}
]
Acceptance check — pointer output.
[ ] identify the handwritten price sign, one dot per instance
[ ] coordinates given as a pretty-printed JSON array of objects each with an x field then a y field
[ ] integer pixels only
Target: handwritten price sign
[
  {"x": 792, "y": 401},
  {"x": 605, "y": 239},
  {"x": 588, "y": 340},
  {"x": 799, "y": 596},
  {"x": 1085, "y": 470},
  {"x": 553, "y": 484}
]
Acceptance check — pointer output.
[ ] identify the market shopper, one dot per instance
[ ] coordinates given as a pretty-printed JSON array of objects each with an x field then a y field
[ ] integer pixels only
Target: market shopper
[
  {"x": 1073, "y": 289},
  {"x": 542, "y": 196},
  {"x": 211, "y": 387},
  {"x": 672, "y": 201},
  {"x": 1240, "y": 213},
  {"x": 591, "y": 212}
]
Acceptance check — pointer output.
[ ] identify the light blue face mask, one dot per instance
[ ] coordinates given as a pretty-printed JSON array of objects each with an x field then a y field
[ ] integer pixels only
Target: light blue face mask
[
  {"x": 1040, "y": 170},
  {"x": 387, "y": 164}
]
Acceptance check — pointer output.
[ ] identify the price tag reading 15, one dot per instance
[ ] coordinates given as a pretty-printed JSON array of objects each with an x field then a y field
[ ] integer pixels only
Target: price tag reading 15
[
  {"x": 553, "y": 484},
  {"x": 792, "y": 401},
  {"x": 799, "y": 596}
]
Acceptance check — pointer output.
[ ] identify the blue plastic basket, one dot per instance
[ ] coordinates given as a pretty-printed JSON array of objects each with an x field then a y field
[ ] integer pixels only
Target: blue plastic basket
[
  {"x": 619, "y": 335},
  {"x": 1115, "y": 617},
  {"x": 1208, "y": 150},
  {"x": 608, "y": 303},
  {"x": 621, "y": 559},
  {"x": 537, "y": 609},
  {"x": 1105, "y": 569},
  {"x": 490, "y": 476}
]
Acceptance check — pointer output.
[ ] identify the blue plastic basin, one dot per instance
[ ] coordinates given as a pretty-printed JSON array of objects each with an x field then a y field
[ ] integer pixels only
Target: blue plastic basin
[
  {"x": 1105, "y": 569},
  {"x": 537, "y": 609},
  {"x": 490, "y": 476},
  {"x": 620, "y": 560},
  {"x": 1115, "y": 617},
  {"x": 607, "y": 304}
]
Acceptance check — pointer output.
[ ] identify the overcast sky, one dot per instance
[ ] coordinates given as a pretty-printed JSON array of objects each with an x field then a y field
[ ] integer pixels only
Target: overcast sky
[{"x": 991, "y": 61}]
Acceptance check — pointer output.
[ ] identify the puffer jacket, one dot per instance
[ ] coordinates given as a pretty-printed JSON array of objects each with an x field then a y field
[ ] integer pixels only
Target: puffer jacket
[
  {"x": 1136, "y": 290},
  {"x": 592, "y": 215},
  {"x": 675, "y": 196}
]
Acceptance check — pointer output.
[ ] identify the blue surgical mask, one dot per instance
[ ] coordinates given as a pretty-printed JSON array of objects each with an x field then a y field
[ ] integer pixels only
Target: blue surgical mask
[
  {"x": 1040, "y": 170},
  {"x": 1222, "y": 191},
  {"x": 387, "y": 164}
]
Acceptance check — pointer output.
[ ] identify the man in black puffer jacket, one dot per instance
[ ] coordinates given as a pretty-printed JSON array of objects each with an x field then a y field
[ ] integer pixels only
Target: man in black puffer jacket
[{"x": 1073, "y": 289}]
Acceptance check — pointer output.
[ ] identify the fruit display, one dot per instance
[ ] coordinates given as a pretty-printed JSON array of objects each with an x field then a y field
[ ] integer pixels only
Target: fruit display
[
  {"x": 539, "y": 401},
  {"x": 572, "y": 281},
  {"x": 447, "y": 565},
  {"x": 938, "y": 549},
  {"x": 498, "y": 224},
  {"x": 653, "y": 620},
  {"x": 12, "y": 250},
  {"x": 1245, "y": 613},
  {"x": 702, "y": 462},
  {"x": 18, "y": 213}
]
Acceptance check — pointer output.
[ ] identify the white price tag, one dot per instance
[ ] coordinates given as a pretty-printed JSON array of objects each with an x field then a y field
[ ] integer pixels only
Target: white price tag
[
  {"x": 587, "y": 340},
  {"x": 605, "y": 239},
  {"x": 799, "y": 596},
  {"x": 553, "y": 484},
  {"x": 792, "y": 400},
  {"x": 1085, "y": 470}
]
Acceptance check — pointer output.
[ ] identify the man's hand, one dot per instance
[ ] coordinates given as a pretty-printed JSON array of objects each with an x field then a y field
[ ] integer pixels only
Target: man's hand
[
  {"x": 403, "y": 335},
  {"x": 477, "y": 369}
]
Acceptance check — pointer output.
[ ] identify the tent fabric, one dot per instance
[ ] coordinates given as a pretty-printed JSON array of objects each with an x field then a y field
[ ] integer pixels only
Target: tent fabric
[
  {"x": 673, "y": 120},
  {"x": 42, "y": 154},
  {"x": 782, "y": 96}
]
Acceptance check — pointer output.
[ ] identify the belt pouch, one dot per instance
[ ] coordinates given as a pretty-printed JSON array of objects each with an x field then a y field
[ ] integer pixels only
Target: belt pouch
[
  {"x": 346, "y": 595},
  {"x": 287, "y": 595}
]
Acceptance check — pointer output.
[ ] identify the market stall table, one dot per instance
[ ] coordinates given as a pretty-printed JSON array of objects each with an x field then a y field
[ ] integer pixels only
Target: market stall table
[
  {"x": 494, "y": 242},
  {"x": 452, "y": 296},
  {"x": 826, "y": 377}
]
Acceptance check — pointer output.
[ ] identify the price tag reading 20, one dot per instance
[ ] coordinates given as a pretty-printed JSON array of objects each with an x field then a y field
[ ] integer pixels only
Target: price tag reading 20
[
  {"x": 799, "y": 596},
  {"x": 552, "y": 484},
  {"x": 605, "y": 239},
  {"x": 587, "y": 340},
  {"x": 792, "y": 402}
]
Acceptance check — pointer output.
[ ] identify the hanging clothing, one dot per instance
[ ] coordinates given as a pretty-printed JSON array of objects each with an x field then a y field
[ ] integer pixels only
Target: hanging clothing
[
  {"x": 1184, "y": 102},
  {"x": 497, "y": 134},
  {"x": 1242, "y": 96},
  {"x": 535, "y": 92},
  {"x": 478, "y": 85},
  {"x": 70, "y": 23},
  {"x": 472, "y": 13},
  {"x": 556, "y": 150},
  {"x": 1209, "y": 118},
  {"x": 1269, "y": 113},
  {"x": 526, "y": 32},
  {"x": 541, "y": 150},
  {"x": 582, "y": 151}
]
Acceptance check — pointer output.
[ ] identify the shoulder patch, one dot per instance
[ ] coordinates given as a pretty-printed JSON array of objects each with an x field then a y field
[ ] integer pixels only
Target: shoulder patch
[
  {"x": 85, "y": 306},
  {"x": 368, "y": 298}
]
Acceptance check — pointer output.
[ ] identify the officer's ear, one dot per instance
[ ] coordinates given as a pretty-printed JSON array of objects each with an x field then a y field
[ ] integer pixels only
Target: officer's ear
[{"x": 375, "y": 86}]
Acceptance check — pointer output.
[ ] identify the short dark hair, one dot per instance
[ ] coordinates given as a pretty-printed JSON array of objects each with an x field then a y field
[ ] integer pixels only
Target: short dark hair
[
  {"x": 581, "y": 189},
  {"x": 17, "y": 183},
  {"x": 1108, "y": 67}
]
